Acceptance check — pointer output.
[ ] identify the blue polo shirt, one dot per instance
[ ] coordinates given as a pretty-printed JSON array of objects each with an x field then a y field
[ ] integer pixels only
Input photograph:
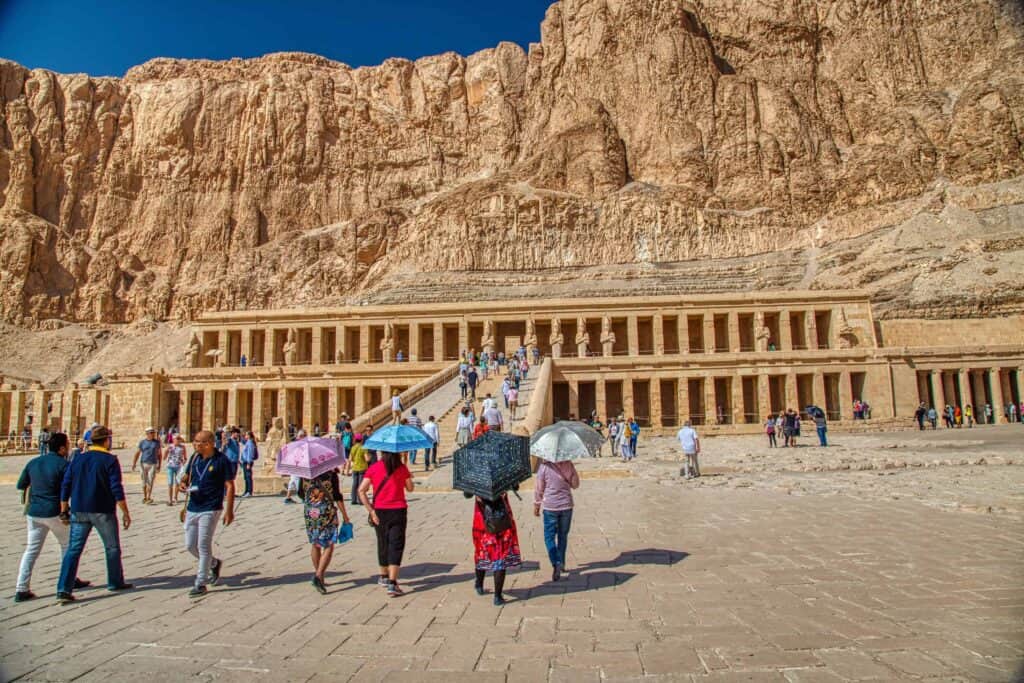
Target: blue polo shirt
[
  {"x": 210, "y": 476},
  {"x": 43, "y": 477},
  {"x": 150, "y": 449},
  {"x": 232, "y": 449}
]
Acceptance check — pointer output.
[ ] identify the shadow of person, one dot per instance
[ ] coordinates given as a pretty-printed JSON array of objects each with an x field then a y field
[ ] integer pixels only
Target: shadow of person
[
  {"x": 439, "y": 580},
  {"x": 578, "y": 583},
  {"x": 659, "y": 556}
]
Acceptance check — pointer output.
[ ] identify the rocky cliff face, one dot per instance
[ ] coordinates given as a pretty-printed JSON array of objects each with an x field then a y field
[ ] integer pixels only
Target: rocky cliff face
[{"x": 856, "y": 143}]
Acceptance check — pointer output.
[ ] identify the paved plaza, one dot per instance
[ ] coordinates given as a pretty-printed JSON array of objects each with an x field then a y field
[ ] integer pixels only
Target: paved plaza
[{"x": 669, "y": 582}]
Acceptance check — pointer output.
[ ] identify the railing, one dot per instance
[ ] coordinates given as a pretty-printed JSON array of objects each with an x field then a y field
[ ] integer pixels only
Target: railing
[
  {"x": 539, "y": 409},
  {"x": 381, "y": 414}
]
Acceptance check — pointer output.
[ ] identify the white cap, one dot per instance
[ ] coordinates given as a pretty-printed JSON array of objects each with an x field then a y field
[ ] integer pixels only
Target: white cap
[{"x": 150, "y": 429}]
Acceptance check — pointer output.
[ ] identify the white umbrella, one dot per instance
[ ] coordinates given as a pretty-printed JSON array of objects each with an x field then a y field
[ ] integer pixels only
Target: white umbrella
[{"x": 569, "y": 440}]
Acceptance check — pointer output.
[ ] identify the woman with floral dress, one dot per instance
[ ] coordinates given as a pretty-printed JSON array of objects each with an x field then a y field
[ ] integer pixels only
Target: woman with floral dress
[
  {"x": 323, "y": 501},
  {"x": 174, "y": 460},
  {"x": 495, "y": 543}
]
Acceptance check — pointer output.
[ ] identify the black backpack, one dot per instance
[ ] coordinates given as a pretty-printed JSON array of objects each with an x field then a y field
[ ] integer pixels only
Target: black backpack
[{"x": 497, "y": 520}]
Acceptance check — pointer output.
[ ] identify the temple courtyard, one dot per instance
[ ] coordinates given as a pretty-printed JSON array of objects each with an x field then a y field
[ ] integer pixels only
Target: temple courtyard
[{"x": 888, "y": 556}]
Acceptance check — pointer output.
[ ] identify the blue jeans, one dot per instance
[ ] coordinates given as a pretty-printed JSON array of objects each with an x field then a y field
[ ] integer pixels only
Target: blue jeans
[
  {"x": 81, "y": 524},
  {"x": 821, "y": 436},
  {"x": 632, "y": 444},
  {"x": 556, "y": 534},
  {"x": 247, "y": 473}
]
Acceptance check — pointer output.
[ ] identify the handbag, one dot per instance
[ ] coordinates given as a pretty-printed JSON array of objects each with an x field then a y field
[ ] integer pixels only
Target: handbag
[
  {"x": 497, "y": 519},
  {"x": 345, "y": 533},
  {"x": 369, "y": 516}
]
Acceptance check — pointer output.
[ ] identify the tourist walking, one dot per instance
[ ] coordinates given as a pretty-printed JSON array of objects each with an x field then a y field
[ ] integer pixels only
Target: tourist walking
[
  {"x": 463, "y": 384},
  {"x": 356, "y": 466},
  {"x": 472, "y": 379},
  {"x": 492, "y": 415},
  {"x": 625, "y": 439},
  {"x": 207, "y": 480},
  {"x": 634, "y": 436},
  {"x": 323, "y": 502},
  {"x": 613, "y": 436},
  {"x": 481, "y": 427},
  {"x": 933, "y": 417},
  {"x": 512, "y": 401},
  {"x": 789, "y": 427},
  {"x": 250, "y": 454},
  {"x": 690, "y": 442},
  {"x": 396, "y": 407},
  {"x": 233, "y": 449},
  {"x": 174, "y": 460},
  {"x": 769, "y": 429},
  {"x": 919, "y": 415},
  {"x": 149, "y": 451},
  {"x": 464, "y": 427},
  {"x": 495, "y": 543},
  {"x": 434, "y": 433},
  {"x": 969, "y": 415},
  {"x": 89, "y": 493},
  {"x": 821, "y": 426},
  {"x": 41, "y": 479},
  {"x": 389, "y": 513},
  {"x": 44, "y": 441},
  {"x": 988, "y": 414},
  {"x": 552, "y": 496}
]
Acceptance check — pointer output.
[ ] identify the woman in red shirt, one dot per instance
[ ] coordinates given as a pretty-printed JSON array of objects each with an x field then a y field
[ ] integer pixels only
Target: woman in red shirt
[
  {"x": 481, "y": 428},
  {"x": 389, "y": 479}
]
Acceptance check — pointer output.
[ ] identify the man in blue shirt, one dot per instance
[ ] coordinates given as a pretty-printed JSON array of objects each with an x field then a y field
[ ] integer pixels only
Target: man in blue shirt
[
  {"x": 233, "y": 450},
  {"x": 42, "y": 477},
  {"x": 249, "y": 456},
  {"x": 634, "y": 428},
  {"x": 150, "y": 452},
  {"x": 207, "y": 478},
  {"x": 90, "y": 490}
]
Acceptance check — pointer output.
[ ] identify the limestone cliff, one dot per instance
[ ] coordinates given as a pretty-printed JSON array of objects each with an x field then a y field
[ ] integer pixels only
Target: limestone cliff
[{"x": 642, "y": 145}]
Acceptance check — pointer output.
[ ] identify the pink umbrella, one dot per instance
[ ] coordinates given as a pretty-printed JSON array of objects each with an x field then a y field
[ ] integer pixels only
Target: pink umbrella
[{"x": 309, "y": 457}]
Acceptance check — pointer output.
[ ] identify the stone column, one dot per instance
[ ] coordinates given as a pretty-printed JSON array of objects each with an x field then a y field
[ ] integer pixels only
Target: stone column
[
  {"x": 222, "y": 343},
  {"x": 655, "y": 403},
  {"x": 574, "y": 398},
  {"x": 258, "y": 412},
  {"x": 208, "y": 410},
  {"x": 764, "y": 398},
  {"x": 268, "y": 347},
  {"x": 69, "y": 412},
  {"x": 365, "y": 353},
  {"x": 438, "y": 341},
  {"x": 360, "y": 406},
  {"x": 627, "y": 398},
  {"x": 710, "y": 404},
  {"x": 792, "y": 397},
  {"x": 819, "y": 399},
  {"x": 632, "y": 336},
  {"x": 414, "y": 342},
  {"x": 683, "y": 332},
  {"x": 232, "y": 416},
  {"x": 600, "y": 399},
  {"x": 17, "y": 417},
  {"x": 811, "y": 330},
  {"x": 658, "y": 325},
  {"x": 307, "y": 409},
  {"x": 964, "y": 380},
  {"x": 185, "y": 415},
  {"x": 316, "y": 354},
  {"x": 332, "y": 406},
  {"x": 785, "y": 332},
  {"x": 340, "y": 343},
  {"x": 995, "y": 383},
  {"x": 709, "y": 333},
  {"x": 463, "y": 337},
  {"x": 845, "y": 394},
  {"x": 738, "y": 414},
  {"x": 734, "y": 332},
  {"x": 978, "y": 389},
  {"x": 683, "y": 390}
]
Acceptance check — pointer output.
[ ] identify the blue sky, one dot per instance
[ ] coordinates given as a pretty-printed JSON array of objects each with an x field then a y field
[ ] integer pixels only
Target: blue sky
[{"x": 106, "y": 38}]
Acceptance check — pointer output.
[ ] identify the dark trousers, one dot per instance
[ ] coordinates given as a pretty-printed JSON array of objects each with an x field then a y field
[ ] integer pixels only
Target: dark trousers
[
  {"x": 357, "y": 479},
  {"x": 81, "y": 524},
  {"x": 391, "y": 536},
  {"x": 430, "y": 455},
  {"x": 247, "y": 473},
  {"x": 556, "y": 534}
]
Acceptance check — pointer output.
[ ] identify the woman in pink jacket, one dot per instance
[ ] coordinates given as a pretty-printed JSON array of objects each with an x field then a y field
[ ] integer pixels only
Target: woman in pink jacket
[{"x": 552, "y": 494}]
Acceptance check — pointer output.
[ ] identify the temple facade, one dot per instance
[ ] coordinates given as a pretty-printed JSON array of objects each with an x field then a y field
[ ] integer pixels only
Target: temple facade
[{"x": 725, "y": 361}]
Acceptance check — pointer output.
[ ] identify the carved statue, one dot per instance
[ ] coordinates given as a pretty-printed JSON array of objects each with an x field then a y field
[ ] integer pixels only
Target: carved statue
[
  {"x": 339, "y": 357},
  {"x": 276, "y": 438},
  {"x": 530, "y": 339},
  {"x": 762, "y": 335},
  {"x": 847, "y": 333},
  {"x": 582, "y": 337},
  {"x": 192, "y": 352},
  {"x": 387, "y": 344},
  {"x": 556, "y": 338},
  {"x": 487, "y": 339},
  {"x": 289, "y": 348},
  {"x": 607, "y": 336}
]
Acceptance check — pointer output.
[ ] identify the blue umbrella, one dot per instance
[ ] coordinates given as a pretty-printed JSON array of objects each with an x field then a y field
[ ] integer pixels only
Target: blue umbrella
[{"x": 398, "y": 439}]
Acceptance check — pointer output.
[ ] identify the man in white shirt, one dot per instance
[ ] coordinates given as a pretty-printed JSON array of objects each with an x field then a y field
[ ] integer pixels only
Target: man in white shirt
[
  {"x": 434, "y": 433},
  {"x": 396, "y": 408},
  {"x": 690, "y": 442},
  {"x": 493, "y": 417},
  {"x": 505, "y": 386},
  {"x": 489, "y": 402}
]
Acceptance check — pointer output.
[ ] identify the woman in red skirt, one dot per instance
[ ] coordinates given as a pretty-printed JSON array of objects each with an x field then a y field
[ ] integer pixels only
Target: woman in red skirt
[{"x": 495, "y": 542}]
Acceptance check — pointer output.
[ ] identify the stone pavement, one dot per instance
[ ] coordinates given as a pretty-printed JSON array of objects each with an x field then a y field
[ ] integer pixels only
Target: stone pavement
[{"x": 668, "y": 583}]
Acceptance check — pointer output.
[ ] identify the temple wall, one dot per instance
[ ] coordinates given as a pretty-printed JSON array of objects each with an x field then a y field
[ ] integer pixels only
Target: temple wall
[{"x": 967, "y": 332}]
